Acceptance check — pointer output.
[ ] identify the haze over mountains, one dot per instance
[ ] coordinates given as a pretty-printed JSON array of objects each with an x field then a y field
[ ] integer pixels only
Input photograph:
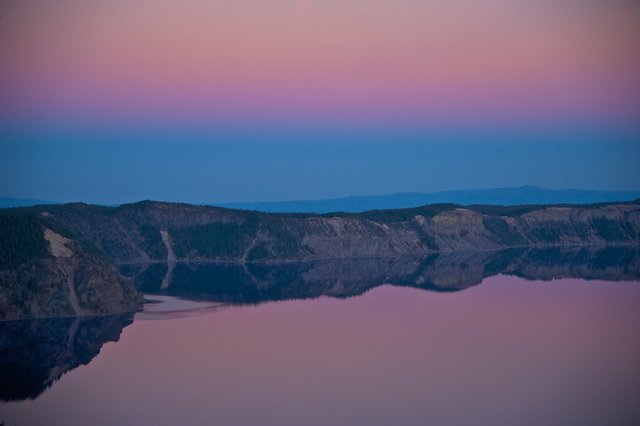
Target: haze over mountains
[
  {"x": 499, "y": 196},
  {"x": 522, "y": 195},
  {"x": 9, "y": 202}
]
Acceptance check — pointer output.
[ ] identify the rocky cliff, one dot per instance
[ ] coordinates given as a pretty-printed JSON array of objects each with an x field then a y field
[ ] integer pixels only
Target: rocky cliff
[
  {"x": 149, "y": 231},
  {"x": 59, "y": 260},
  {"x": 44, "y": 273}
]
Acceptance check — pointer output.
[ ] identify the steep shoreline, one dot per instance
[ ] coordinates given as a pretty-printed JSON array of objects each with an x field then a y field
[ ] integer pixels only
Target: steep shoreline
[
  {"x": 47, "y": 274},
  {"x": 60, "y": 260},
  {"x": 199, "y": 233}
]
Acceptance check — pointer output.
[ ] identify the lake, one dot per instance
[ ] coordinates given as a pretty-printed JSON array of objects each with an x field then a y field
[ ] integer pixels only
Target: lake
[{"x": 478, "y": 338}]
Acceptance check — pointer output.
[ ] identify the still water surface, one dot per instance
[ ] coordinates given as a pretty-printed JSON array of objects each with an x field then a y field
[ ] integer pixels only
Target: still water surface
[{"x": 506, "y": 351}]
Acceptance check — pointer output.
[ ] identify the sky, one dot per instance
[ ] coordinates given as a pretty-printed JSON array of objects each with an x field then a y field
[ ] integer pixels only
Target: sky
[{"x": 213, "y": 101}]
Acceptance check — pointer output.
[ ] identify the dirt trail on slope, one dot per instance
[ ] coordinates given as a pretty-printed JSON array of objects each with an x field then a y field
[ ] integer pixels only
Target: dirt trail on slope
[
  {"x": 73, "y": 297},
  {"x": 171, "y": 260}
]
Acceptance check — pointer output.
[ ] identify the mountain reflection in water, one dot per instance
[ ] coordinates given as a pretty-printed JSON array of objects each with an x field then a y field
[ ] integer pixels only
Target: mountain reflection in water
[
  {"x": 36, "y": 353},
  {"x": 444, "y": 272}
]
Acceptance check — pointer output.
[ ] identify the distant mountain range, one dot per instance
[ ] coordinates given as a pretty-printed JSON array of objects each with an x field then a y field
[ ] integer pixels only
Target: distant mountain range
[
  {"x": 522, "y": 195},
  {"x": 8, "y": 202}
]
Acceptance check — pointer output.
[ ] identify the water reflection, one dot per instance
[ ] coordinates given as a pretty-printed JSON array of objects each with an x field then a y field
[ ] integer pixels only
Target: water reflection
[
  {"x": 36, "y": 353},
  {"x": 443, "y": 272}
]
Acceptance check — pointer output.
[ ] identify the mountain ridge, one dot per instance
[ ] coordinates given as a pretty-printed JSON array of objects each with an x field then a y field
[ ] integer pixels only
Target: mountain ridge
[
  {"x": 527, "y": 194},
  {"x": 67, "y": 253},
  {"x": 132, "y": 232},
  {"x": 521, "y": 195},
  {"x": 10, "y": 202}
]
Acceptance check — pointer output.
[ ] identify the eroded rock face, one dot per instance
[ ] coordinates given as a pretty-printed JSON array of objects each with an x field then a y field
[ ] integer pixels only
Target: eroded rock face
[
  {"x": 132, "y": 233},
  {"x": 59, "y": 246},
  {"x": 58, "y": 260},
  {"x": 64, "y": 280}
]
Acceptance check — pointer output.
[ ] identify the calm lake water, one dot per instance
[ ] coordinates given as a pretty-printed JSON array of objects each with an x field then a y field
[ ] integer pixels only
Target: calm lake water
[{"x": 503, "y": 351}]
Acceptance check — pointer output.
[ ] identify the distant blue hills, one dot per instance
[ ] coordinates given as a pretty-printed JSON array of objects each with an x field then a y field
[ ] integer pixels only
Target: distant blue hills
[
  {"x": 355, "y": 204},
  {"x": 498, "y": 196},
  {"x": 8, "y": 202}
]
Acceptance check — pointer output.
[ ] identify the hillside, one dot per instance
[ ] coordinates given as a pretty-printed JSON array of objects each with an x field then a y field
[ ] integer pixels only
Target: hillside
[
  {"x": 44, "y": 273},
  {"x": 132, "y": 233},
  {"x": 59, "y": 260}
]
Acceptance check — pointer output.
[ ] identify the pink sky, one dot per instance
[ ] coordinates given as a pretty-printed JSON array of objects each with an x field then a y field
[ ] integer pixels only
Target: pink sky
[{"x": 401, "y": 61}]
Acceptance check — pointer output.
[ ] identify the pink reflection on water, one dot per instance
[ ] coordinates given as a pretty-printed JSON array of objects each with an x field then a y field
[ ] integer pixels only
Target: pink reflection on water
[{"x": 506, "y": 352}]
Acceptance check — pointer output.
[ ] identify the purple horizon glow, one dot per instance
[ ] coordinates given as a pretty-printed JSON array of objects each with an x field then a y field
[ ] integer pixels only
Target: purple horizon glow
[
  {"x": 385, "y": 62},
  {"x": 302, "y": 99}
]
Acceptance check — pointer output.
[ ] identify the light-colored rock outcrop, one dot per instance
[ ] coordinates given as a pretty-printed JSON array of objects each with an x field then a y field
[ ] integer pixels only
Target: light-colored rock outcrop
[
  {"x": 215, "y": 234},
  {"x": 70, "y": 281}
]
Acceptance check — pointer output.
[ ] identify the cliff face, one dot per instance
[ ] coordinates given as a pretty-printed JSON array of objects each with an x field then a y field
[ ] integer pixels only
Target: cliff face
[
  {"x": 56, "y": 276},
  {"x": 132, "y": 233},
  {"x": 58, "y": 260}
]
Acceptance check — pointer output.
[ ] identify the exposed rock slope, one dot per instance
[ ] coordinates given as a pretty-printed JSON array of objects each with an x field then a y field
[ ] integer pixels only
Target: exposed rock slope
[
  {"x": 58, "y": 260},
  {"x": 132, "y": 233},
  {"x": 46, "y": 274}
]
